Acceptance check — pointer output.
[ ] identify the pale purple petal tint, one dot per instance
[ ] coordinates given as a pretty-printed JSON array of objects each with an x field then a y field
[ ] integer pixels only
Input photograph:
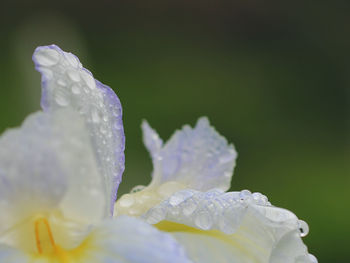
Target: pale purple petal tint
[
  {"x": 199, "y": 157},
  {"x": 66, "y": 84}
]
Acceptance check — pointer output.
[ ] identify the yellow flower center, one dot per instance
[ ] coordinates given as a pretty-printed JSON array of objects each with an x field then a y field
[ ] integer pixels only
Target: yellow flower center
[
  {"x": 47, "y": 247},
  {"x": 43, "y": 236}
]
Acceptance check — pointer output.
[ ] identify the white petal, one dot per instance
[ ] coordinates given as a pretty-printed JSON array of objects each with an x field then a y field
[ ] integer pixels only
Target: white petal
[
  {"x": 11, "y": 255},
  {"x": 199, "y": 158},
  {"x": 66, "y": 84},
  {"x": 230, "y": 227},
  {"x": 151, "y": 140},
  {"x": 46, "y": 165},
  {"x": 127, "y": 239}
]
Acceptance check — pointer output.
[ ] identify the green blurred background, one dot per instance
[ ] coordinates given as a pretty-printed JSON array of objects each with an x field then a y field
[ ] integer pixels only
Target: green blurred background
[{"x": 273, "y": 77}]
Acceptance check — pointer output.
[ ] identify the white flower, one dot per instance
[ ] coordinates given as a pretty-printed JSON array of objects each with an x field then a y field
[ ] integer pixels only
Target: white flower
[
  {"x": 187, "y": 198},
  {"x": 59, "y": 174}
]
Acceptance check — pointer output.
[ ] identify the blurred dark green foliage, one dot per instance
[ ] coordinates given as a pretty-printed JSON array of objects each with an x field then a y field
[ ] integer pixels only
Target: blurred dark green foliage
[{"x": 273, "y": 78}]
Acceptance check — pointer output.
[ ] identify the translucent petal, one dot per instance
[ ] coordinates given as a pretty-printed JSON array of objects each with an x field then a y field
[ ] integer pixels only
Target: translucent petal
[
  {"x": 199, "y": 158},
  {"x": 230, "y": 227},
  {"x": 66, "y": 84},
  {"x": 47, "y": 165},
  {"x": 131, "y": 240}
]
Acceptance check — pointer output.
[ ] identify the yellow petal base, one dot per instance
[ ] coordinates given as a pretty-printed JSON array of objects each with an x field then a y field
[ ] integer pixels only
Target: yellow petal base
[{"x": 49, "y": 251}]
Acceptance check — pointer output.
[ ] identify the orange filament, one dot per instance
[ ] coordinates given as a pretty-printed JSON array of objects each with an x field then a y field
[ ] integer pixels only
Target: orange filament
[{"x": 44, "y": 238}]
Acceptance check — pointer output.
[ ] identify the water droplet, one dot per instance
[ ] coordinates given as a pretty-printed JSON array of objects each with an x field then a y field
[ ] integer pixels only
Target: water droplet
[
  {"x": 89, "y": 80},
  {"x": 118, "y": 126},
  {"x": 189, "y": 208},
  {"x": 303, "y": 228},
  {"x": 245, "y": 195},
  {"x": 176, "y": 199},
  {"x": 61, "y": 82},
  {"x": 137, "y": 188},
  {"x": 76, "y": 89},
  {"x": 46, "y": 57},
  {"x": 61, "y": 98},
  {"x": 73, "y": 75},
  {"x": 203, "y": 220},
  {"x": 155, "y": 215},
  {"x": 126, "y": 200},
  {"x": 95, "y": 115},
  {"x": 72, "y": 59}
]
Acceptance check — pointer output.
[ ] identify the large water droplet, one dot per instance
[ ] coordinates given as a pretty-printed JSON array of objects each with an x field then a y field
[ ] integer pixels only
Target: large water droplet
[
  {"x": 61, "y": 82},
  {"x": 61, "y": 98},
  {"x": 72, "y": 59},
  {"x": 137, "y": 188},
  {"x": 303, "y": 228},
  {"x": 89, "y": 80},
  {"x": 73, "y": 75},
  {"x": 245, "y": 195},
  {"x": 47, "y": 57}
]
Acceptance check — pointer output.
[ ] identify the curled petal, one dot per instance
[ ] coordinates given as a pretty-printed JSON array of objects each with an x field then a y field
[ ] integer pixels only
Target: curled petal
[
  {"x": 66, "y": 84},
  {"x": 233, "y": 226},
  {"x": 198, "y": 158}
]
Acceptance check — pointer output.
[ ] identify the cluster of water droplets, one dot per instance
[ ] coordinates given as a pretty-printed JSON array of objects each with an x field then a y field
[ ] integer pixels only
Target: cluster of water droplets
[
  {"x": 214, "y": 209},
  {"x": 66, "y": 84}
]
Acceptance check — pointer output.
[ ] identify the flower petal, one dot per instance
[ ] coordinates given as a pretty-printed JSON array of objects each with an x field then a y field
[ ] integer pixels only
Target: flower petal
[
  {"x": 199, "y": 158},
  {"x": 66, "y": 84},
  {"x": 46, "y": 165},
  {"x": 230, "y": 227},
  {"x": 11, "y": 255},
  {"x": 127, "y": 239}
]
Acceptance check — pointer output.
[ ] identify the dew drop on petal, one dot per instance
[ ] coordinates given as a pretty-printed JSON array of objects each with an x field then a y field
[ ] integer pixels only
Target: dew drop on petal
[
  {"x": 126, "y": 200},
  {"x": 73, "y": 75},
  {"x": 95, "y": 115},
  {"x": 76, "y": 89},
  {"x": 47, "y": 57},
  {"x": 245, "y": 194},
  {"x": 303, "y": 228},
  {"x": 61, "y": 98},
  {"x": 203, "y": 220},
  {"x": 89, "y": 80},
  {"x": 137, "y": 188},
  {"x": 72, "y": 59},
  {"x": 61, "y": 82}
]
